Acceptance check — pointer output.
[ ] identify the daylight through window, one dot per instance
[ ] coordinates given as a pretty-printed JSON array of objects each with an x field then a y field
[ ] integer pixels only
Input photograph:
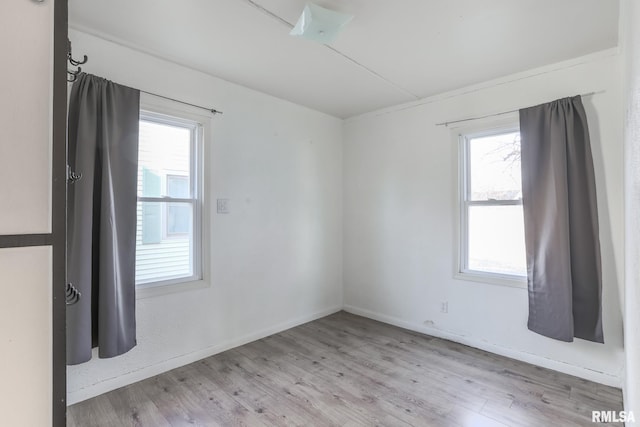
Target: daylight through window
[
  {"x": 492, "y": 219},
  {"x": 167, "y": 243}
]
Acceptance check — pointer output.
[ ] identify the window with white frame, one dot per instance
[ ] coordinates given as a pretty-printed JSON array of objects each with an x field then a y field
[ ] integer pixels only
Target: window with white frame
[
  {"x": 169, "y": 211},
  {"x": 492, "y": 246}
]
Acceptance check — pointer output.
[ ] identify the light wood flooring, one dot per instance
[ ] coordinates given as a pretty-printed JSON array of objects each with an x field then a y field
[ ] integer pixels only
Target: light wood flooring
[{"x": 345, "y": 370}]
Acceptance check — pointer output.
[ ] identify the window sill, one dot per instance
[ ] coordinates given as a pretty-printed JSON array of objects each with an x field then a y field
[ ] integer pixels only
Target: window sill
[
  {"x": 492, "y": 279},
  {"x": 158, "y": 290}
]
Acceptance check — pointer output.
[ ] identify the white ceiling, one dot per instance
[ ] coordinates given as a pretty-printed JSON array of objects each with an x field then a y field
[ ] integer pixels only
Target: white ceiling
[{"x": 392, "y": 51}]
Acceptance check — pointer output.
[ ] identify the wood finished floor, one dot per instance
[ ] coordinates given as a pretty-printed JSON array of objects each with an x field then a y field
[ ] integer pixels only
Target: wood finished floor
[{"x": 345, "y": 370}]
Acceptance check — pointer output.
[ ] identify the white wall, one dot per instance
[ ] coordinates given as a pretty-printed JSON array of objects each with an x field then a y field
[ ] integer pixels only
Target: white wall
[
  {"x": 275, "y": 260},
  {"x": 630, "y": 43},
  {"x": 400, "y": 218}
]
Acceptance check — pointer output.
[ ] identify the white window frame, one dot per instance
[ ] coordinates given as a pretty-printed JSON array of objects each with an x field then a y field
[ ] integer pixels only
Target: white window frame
[
  {"x": 174, "y": 113},
  {"x": 463, "y": 137}
]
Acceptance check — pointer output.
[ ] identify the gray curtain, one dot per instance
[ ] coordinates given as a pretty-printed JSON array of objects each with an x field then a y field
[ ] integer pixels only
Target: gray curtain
[
  {"x": 561, "y": 222},
  {"x": 101, "y": 240}
]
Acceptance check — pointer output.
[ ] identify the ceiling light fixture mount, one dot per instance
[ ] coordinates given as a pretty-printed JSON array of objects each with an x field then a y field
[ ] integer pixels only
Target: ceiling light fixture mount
[{"x": 319, "y": 24}]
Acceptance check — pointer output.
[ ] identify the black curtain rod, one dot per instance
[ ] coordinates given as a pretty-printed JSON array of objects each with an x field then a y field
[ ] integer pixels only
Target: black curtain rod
[
  {"x": 73, "y": 75},
  {"x": 499, "y": 114},
  {"x": 211, "y": 110}
]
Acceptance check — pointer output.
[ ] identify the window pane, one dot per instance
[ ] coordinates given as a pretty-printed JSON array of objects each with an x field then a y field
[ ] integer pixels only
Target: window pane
[
  {"x": 178, "y": 218},
  {"x": 494, "y": 163},
  {"x": 496, "y": 239},
  {"x": 178, "y": 186},
  {"x": 164, "y": 241},
  {"x": 164, "y": 150},
  {"x": 150, "y": 222}
]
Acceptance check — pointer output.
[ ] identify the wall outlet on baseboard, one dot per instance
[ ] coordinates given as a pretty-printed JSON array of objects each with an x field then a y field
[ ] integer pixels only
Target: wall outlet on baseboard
[{"x": 444, "y": 307}]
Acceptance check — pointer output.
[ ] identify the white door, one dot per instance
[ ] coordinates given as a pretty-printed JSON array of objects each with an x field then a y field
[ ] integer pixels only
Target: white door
[
  {"x": 25, "y": 330},
  {"x": 26, "y": 42}
]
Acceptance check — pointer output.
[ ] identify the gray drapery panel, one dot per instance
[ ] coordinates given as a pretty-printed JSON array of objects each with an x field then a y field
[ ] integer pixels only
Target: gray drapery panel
[
  {"x": 561, "y": 222},
  {"x": 101, "y": 240}
]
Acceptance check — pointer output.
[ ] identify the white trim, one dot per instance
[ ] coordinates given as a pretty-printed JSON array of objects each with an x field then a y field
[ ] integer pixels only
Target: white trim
[
  {"x": 486, "y": 85},
  {"x": 182, "y": 360},
  {"x": 544, "y": 362},
  {"x": 168, "y": 281},
  {"x": 110, "y": 384},
  {"x": 170, "y": 112},
  {"x": 492, "y": 278},
  {"x": 166, "y": 287},
  {"x": 166, "y": 199},
  {"x": 462, "y": 137},
  {"x": 104, "y": 37}
]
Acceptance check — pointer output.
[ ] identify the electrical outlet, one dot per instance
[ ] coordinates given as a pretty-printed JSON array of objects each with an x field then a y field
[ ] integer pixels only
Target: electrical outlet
[
  {"x": 444, "y": 307},
  {"x": 223, "y": 206}
]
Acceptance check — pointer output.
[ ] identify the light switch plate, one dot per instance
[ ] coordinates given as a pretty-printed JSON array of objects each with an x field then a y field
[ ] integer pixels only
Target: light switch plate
[
  {"x": 223, "y": 206},
  {"x": 444, "y": 307}
]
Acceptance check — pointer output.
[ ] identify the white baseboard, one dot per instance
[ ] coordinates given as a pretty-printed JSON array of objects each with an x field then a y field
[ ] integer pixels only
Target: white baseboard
[
  {"x": 182, "y": 360},
  {"x": 566, "y": 368}
]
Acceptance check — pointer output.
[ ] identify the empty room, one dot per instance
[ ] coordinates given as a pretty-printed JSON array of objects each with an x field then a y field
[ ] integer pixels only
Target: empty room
[{"x": 327, "y": 213}]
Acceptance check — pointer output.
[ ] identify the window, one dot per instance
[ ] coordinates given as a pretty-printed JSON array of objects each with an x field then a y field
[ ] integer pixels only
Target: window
[
  {"x": 492, "y": 244},
  {"x": 178, "y": 215},
  {"x": 168, "y": 241}
]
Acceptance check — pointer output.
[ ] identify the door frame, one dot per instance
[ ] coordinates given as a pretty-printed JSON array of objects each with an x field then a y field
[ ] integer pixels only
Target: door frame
[
  {"x": 59, "y": 212},
  {"x": 57, "y": 238}
]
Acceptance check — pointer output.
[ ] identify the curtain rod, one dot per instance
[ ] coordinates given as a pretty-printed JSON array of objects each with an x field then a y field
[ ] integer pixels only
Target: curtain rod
[
  {"x": 499, "y": 114},
  {"x": 85, "y": 59},
  {"x": 211, "y": 110}
]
